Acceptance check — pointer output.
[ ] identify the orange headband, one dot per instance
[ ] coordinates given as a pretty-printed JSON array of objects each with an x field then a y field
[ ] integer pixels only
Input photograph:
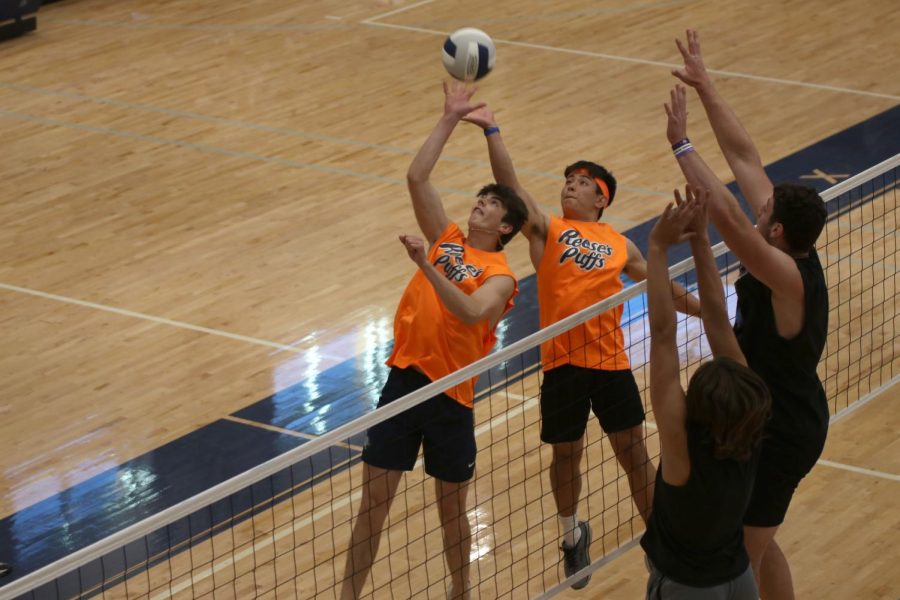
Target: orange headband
[{"x": 600, "y": 183}]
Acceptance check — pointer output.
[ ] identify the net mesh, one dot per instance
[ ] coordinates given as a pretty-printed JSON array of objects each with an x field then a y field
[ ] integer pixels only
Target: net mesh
[{"x": 282, "y": 530}]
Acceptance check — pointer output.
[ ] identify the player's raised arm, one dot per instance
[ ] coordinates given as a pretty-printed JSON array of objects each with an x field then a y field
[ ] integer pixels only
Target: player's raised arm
[
  {"x": 430, "y": 214},
  {"x": 713, "y": 309},
  {"x": 505, "y": 173},
  {"x": 666, "y": 393},
  {"x": 771, "y": 266},
  {"x": 735, "y": 142}
]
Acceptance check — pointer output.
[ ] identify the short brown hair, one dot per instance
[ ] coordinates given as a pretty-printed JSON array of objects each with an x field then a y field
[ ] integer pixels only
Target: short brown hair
[
  {"x": 731, "y": 403},
  {"x": 516, "y": 211}
]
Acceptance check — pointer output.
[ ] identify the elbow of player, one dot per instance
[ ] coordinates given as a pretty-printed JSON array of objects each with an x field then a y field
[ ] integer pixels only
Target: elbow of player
[
  {"x": 415, "y": 176},
  {"x": 470, "y": 318},
  {"x": 470, "y": 315},
  {"x": 695, "y": 309}
]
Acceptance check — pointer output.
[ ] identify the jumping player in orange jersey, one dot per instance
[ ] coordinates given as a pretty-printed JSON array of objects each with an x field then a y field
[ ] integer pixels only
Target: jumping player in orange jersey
[
  {"x": 782, "y": 307},
  {"x": 445, "y": 321},
  {"x": 579, "y": 261}
]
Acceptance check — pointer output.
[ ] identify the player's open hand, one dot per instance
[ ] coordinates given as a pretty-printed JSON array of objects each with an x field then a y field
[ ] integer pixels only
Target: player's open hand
[
  {"x": 673, "y": 225},
  {"x": 699, "y": 224},
  {"x": 676, "y": 113},
  {"x": 694, "y": 72},
  {"x": 483, "y": 117},
  {"x": 458, "y": 99}
]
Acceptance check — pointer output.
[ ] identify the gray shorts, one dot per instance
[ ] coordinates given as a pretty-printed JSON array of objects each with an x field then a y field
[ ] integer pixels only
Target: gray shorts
[{"x": 660, "y": 587}]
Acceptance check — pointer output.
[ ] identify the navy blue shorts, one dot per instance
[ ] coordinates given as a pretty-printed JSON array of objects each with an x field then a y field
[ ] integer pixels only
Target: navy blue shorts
[
  {"x": 784, "y": 460},
  {"x": 569, "y": 393},
  {"x": 443, "y": 425}
]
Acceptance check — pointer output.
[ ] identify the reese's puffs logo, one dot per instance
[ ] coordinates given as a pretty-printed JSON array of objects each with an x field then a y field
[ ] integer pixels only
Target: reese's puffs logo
[
  {"x": 583, "y": 252},
  {"x": 452, "y": 263}
]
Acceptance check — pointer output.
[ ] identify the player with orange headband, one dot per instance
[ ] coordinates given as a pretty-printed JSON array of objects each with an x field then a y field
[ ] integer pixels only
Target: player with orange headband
[{"x": 579, "y": 260}]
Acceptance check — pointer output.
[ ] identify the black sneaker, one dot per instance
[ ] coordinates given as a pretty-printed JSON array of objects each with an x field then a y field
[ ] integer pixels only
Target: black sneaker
[
  {"x": 577, "y": 557},
  {"x": 5, "y": 569}
]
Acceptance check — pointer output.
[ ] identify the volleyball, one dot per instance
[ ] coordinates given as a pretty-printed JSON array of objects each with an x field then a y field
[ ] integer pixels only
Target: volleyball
[{"x": 468, "y": 54}]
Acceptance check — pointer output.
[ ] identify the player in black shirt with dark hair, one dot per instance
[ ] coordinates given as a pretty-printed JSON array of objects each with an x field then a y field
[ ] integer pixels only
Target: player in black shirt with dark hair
[{"x": 782, "y": 313}]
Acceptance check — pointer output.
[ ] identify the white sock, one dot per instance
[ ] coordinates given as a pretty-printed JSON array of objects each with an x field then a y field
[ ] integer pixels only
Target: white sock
[{"x": 571, "y": 530}]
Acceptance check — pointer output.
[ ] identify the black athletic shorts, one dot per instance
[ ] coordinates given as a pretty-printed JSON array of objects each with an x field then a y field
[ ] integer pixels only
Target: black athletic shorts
[
  {"x": 446, "y": 427},
  {"x": 569, "y": 393},
  {"x": 784, "y": 460}
]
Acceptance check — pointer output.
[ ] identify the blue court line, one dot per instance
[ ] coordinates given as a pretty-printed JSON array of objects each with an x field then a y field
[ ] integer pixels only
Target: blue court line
[{"x": 77, "y": 517}]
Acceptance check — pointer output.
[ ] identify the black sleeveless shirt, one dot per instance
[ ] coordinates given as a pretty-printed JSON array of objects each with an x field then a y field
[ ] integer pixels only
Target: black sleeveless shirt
[
  {"x": 788, "y": 367},
  {"x": 695, "y": 534}
]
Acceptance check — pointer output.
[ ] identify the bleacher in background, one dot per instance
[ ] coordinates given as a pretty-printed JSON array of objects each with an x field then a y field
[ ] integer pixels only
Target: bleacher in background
[{"x": 17, "y": 17}]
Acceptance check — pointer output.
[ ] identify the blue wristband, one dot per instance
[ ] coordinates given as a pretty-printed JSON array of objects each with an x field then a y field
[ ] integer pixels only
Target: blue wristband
[
  {"x": 491, "y": 130},
  {"x": 680, "y": 144}
]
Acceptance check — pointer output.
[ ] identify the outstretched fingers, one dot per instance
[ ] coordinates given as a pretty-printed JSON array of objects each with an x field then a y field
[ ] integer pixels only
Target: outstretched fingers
[
  {"x": 699, "y": 197},
  {"x": 693, "y": 38},
  {"x": 672, "y": 226},
  {"x": 678, "y": 97},
  {"x": 685, "y": 53}
]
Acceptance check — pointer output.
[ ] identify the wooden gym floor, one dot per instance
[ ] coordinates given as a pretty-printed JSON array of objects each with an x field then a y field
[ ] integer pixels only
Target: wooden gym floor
[{"x": 202, "y": 204}]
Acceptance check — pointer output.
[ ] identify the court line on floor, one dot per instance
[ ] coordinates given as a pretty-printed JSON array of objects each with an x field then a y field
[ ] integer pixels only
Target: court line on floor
[
  {"x": 273, "y": 160},
  {"x": 594, "y": 566},
  {"x": 211, "y": 531},
  {"x": 835, "y": 259},
  {"x": 209, "y": 149},
  {"x": 858, "y": 470},
  {"x": 837, "y": 465},
  {"x": 872, "y": 395},
  {"x": 195, "y": 578},
  {"x": 326, "y": 511},
  {"x": 149, "y": 24},
  {"x": 837, "y": 417},
  {"x": 646, "y": 62},
  {"x": 145, "y": 317},
  {"x": 213, "y": 28},
  {"x": 296, "y": 133},
  {"x": 398, "y": 10},
  {"x": 290, "y": 432},
  {"x": 568, "y": 15},
  {"x": 527, "y": 403},
  {"x": 876, "y": 393}
]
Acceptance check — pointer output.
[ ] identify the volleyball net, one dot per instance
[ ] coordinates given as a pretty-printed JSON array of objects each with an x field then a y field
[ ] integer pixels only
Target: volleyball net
[{"x": 282, "y": 530}]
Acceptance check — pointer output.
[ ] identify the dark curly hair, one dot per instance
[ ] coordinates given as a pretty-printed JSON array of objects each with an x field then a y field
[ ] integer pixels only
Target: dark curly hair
[
  {"x": 801, "y": 212},
  {"x": 516, "y": 211}
]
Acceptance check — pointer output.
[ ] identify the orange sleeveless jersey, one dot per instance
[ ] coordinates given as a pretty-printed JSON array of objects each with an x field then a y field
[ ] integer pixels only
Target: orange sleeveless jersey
[
  {"x": 426, "y": 334},
  {"x": 581, "y": 266}
]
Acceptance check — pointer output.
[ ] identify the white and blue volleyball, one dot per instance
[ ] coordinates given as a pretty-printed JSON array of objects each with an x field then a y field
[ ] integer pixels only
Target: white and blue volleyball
[{"x": 468, "y": 54}]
